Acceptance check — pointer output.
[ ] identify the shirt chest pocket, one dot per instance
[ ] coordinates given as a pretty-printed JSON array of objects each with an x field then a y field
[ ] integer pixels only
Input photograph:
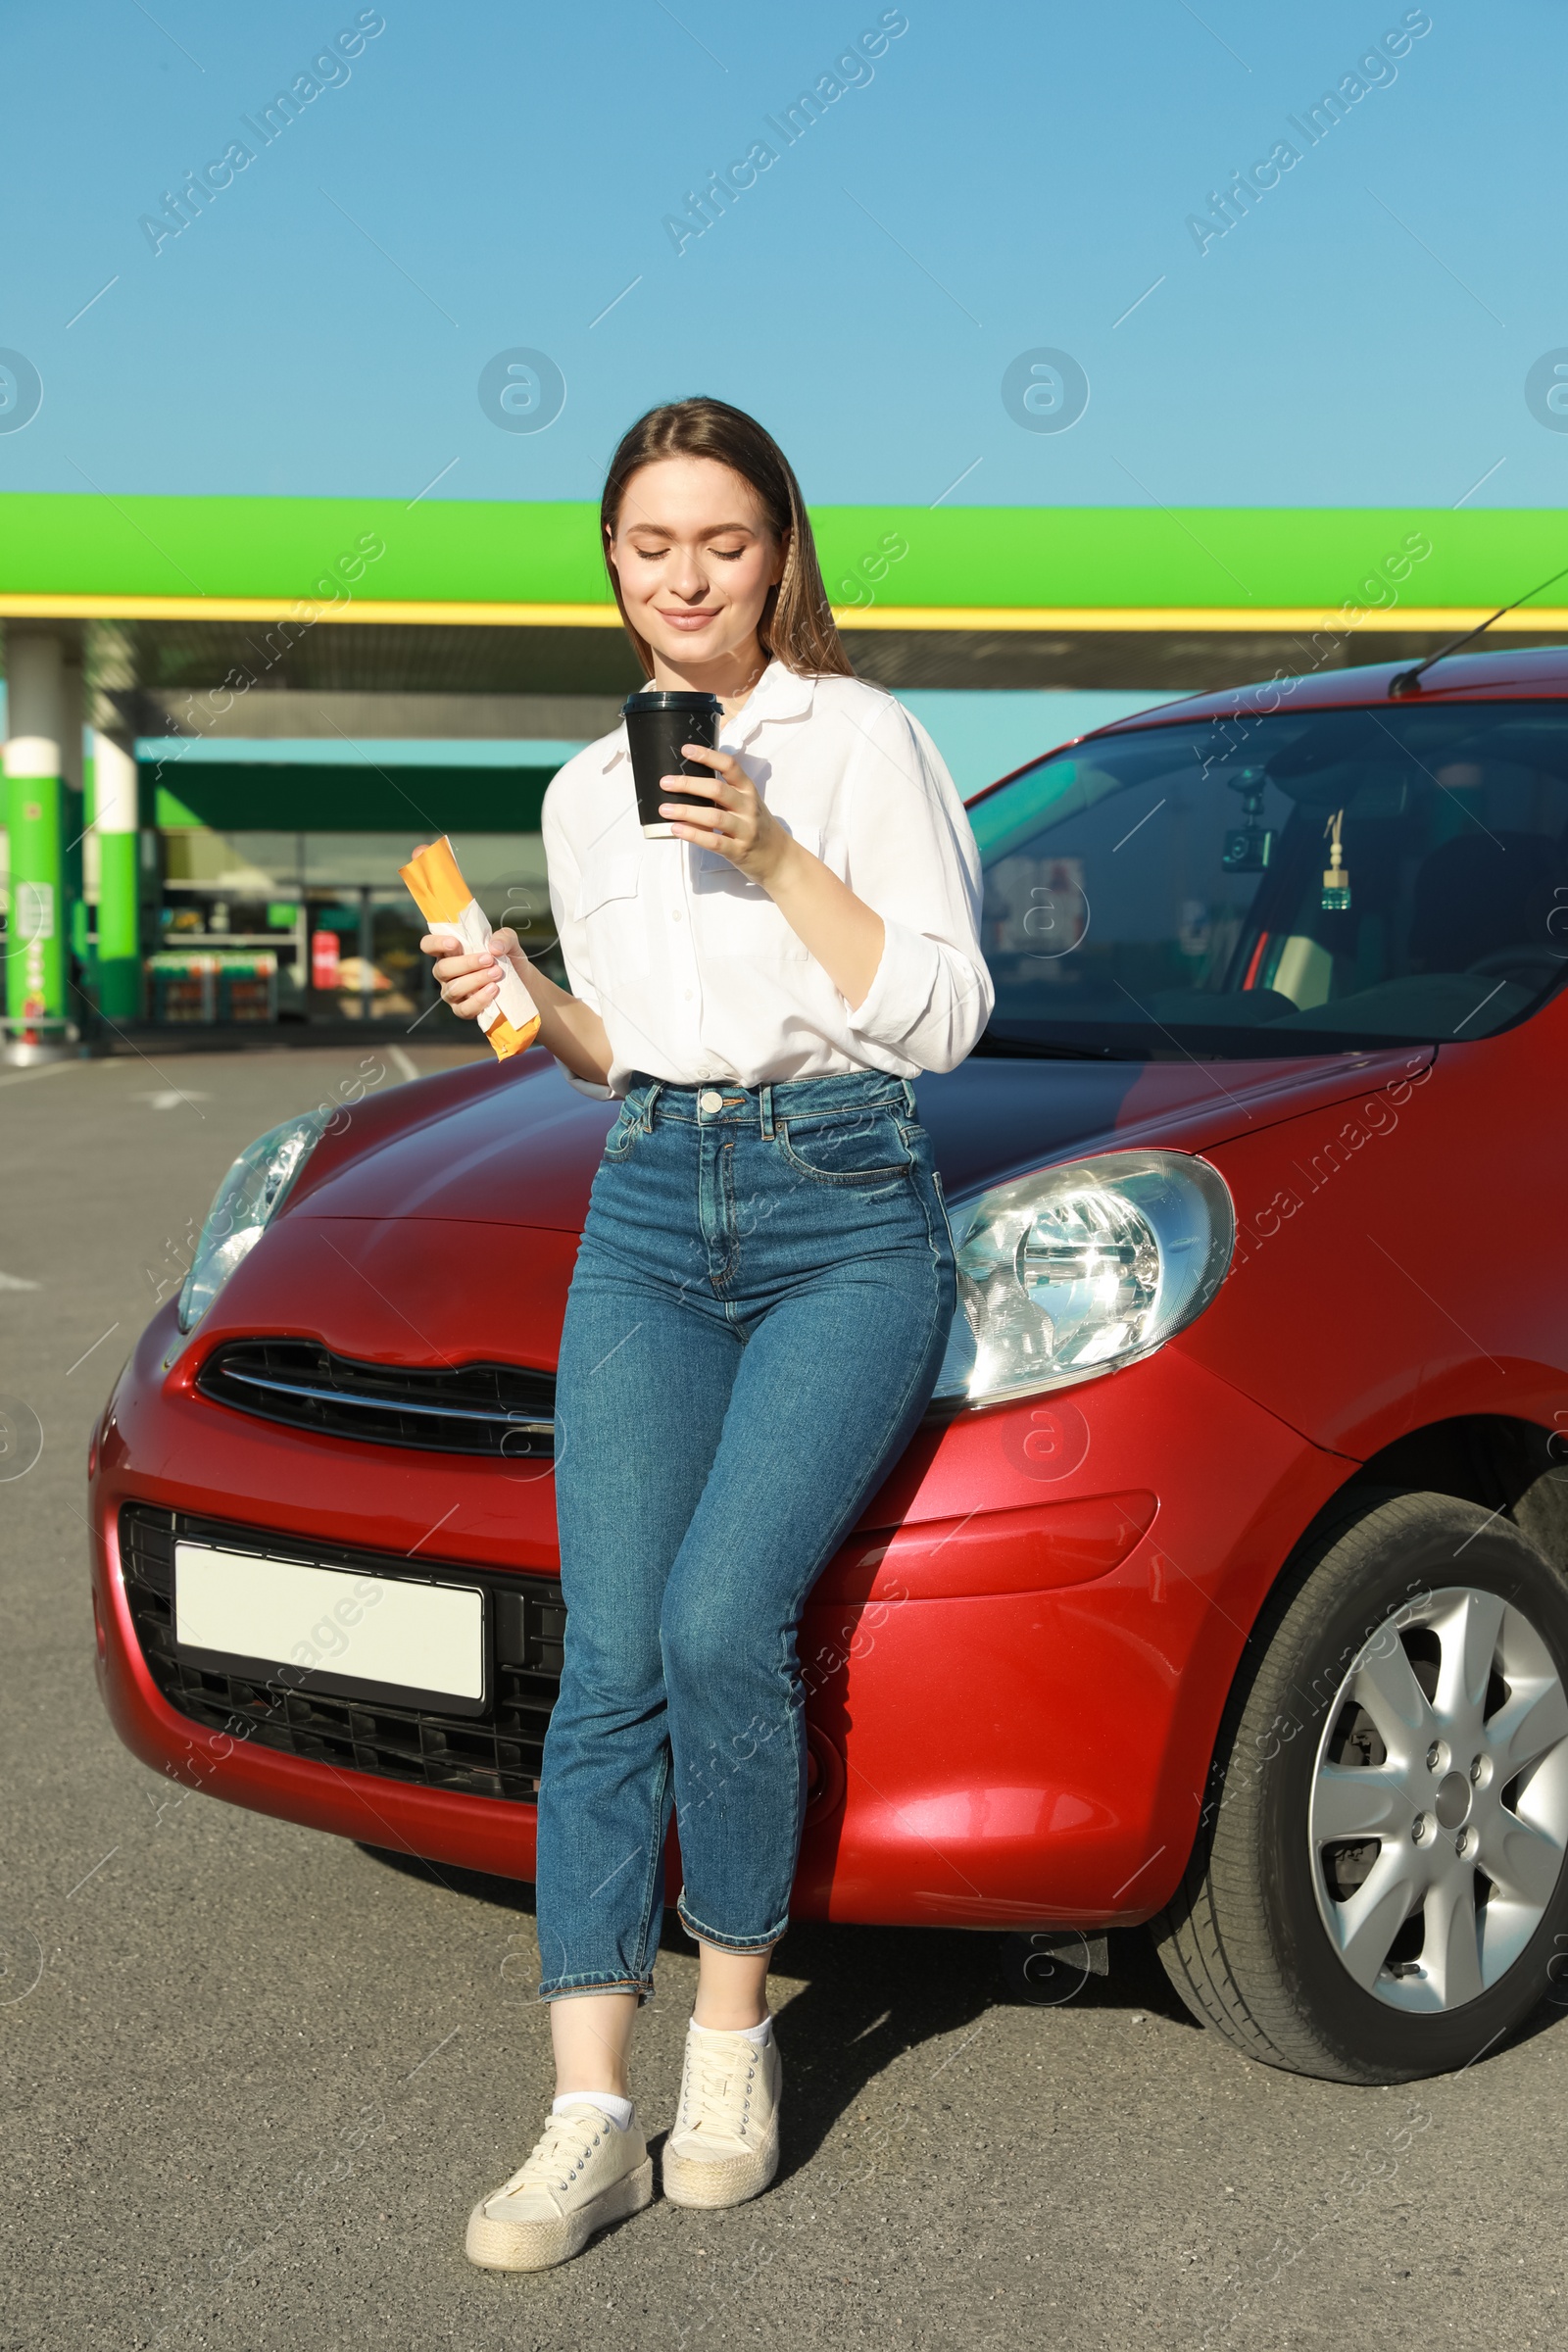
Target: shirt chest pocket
[
  {"x": 736, "y": 917},
  {"x": 609, "y": 907}
]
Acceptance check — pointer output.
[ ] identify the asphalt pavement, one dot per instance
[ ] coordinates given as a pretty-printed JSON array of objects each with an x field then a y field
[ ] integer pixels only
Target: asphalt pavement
[{"x": 257, "y": 2076}]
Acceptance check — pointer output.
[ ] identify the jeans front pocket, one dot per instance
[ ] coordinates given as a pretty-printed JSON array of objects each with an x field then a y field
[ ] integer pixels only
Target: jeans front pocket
[
  {"x": 623, "y": 1137},
  {"x": 863, "y": 1147}
]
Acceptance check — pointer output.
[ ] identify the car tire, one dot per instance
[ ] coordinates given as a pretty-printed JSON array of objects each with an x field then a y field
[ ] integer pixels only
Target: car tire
[{"x": 1272, "y": 1936}]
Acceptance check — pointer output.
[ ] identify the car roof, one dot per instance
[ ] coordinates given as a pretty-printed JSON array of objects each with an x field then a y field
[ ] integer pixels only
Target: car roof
[
  {"x": 1509, "y": 671},
  {"x": 1537, "y": 668}
]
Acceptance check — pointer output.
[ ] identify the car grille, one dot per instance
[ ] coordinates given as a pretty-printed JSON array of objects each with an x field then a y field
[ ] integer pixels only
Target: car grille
[
  {"x": 498, "y": 1754},
  {"x": 505, "y": 1410}
]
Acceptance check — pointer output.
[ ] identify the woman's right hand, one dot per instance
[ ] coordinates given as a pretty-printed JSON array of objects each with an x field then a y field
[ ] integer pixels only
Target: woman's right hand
[
  {"x": 468, "y": 983},
  {"x": 567, "y": 1028}
]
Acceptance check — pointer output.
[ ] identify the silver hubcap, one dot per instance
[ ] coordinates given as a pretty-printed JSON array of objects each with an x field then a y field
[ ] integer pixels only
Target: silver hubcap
[{"x": 1440, "y": 1801}]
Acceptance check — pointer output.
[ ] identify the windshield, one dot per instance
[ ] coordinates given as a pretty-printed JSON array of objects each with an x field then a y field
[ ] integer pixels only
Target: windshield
[{"x": 1305, "y": 883}]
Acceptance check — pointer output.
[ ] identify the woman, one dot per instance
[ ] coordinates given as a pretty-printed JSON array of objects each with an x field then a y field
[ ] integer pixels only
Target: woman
[{"x": 763, "y": 1292}]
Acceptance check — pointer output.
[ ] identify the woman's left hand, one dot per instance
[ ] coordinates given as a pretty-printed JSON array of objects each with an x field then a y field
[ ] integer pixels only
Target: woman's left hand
[
  {"x": 739, "y": 827},
  {"x": 840, "y": 930}
]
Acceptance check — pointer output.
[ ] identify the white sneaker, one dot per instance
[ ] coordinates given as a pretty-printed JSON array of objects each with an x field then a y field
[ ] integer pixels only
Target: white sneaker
[
  {"x": 724, "y": 2145},
  {"x": 582, "y": 2176}
]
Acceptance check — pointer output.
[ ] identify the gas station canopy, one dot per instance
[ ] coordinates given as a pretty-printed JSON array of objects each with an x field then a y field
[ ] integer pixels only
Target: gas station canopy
[{"x": 472, "y": 595}]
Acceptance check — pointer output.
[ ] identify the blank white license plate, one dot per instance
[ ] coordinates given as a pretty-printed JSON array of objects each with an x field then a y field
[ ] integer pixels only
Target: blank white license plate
[{"x": 330, "y": 1624}]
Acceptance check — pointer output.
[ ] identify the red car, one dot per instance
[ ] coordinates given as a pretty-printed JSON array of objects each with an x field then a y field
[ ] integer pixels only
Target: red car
[{"x": 1223, "y": 1587}]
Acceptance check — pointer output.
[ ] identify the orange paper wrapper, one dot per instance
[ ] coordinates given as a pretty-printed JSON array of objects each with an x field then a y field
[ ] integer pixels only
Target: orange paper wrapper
[{"x": 436, "y": 886}]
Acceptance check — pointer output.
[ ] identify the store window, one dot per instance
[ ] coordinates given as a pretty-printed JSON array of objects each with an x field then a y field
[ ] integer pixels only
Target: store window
[{"x": 317, "y": 926}]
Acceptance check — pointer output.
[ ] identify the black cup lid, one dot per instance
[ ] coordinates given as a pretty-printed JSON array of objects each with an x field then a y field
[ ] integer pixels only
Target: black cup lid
[{"x": 656, "y": 698}]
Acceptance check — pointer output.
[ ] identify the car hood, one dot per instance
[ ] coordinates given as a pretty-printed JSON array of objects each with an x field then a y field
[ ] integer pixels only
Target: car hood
[{"x": 520, "y": 1147}]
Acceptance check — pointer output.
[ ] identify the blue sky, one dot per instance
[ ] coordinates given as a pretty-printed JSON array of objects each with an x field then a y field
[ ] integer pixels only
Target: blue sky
[{"x": 1010, "y": 177}]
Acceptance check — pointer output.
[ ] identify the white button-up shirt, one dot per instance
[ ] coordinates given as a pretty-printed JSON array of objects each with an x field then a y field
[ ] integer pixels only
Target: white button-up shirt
[{"x": 692, "y": 969}]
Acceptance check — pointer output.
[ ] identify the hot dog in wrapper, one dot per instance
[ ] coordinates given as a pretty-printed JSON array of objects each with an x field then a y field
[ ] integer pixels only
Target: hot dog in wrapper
[{"x": 436, "y": 886}]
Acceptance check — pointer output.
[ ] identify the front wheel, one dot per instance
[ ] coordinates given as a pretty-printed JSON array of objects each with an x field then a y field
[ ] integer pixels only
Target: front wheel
[{"x": 1378, "y": 1890}]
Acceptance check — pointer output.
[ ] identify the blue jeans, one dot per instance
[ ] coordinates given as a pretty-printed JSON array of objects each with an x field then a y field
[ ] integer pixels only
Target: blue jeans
[{"x": 755, "y": 1323}]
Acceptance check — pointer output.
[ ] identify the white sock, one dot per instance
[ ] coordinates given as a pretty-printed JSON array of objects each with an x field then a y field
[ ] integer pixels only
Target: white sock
[
  {"x": 620, "y": 2112},
  {"x": 761, "y": 2035}
]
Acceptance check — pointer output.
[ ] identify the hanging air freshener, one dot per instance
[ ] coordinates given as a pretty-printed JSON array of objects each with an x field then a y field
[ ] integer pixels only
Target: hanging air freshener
[{"x": 1337, "y": 878}]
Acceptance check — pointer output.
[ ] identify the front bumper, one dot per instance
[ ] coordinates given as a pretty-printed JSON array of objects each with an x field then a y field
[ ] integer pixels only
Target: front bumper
[{"x": 1015, "y": 1669}]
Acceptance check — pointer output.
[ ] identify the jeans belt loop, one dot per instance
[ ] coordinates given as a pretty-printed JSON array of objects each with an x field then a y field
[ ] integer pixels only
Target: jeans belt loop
[
  {"x": 765, "y": 1095},
  {"x": 653, "y": 1093},
  {"x": 908, "y": 1097}
]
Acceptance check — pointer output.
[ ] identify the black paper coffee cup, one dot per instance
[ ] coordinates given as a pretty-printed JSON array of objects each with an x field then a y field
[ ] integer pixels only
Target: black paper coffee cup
[{"x": 657, "y": 723}]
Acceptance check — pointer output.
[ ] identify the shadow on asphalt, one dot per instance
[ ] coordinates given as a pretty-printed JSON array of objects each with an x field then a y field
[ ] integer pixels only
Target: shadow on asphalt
[
  {"x": 873, "y": 1994},
  {"x": 870, "y": 1995}
]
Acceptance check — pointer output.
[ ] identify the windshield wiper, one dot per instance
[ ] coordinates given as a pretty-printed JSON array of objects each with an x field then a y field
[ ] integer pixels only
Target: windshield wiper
[{"x": 1026, "y": 1049}]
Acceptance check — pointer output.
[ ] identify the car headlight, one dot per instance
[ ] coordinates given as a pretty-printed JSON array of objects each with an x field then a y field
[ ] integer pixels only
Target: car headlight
[
  {"x": 243, "y": 1206},
  {"x": 1080, "y": 1270}
]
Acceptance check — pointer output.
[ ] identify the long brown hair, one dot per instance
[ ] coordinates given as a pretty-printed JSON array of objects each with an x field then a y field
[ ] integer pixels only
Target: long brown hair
[{"x": 797, "y": 626}]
